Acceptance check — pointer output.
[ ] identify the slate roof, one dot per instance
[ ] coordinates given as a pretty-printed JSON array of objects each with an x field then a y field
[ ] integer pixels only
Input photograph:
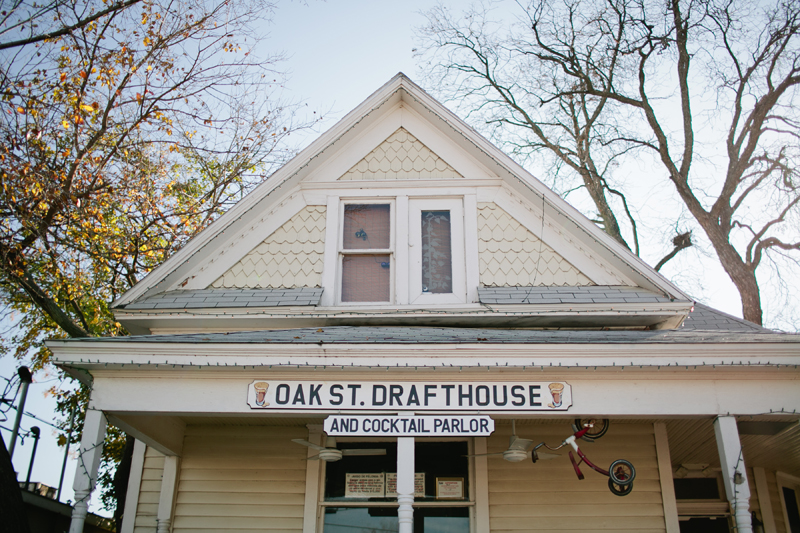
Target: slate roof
[
  {"x": 216, "y": 298},
  {"x": 566, "y": 295},
  {"x": 420, "y": 335},
  {"x": 707, "y": 318},
  {"x": 220, "y": 298}
]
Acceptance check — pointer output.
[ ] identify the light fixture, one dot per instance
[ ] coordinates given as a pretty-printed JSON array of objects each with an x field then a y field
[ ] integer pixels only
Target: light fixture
[{"x": 738, "y": 478}]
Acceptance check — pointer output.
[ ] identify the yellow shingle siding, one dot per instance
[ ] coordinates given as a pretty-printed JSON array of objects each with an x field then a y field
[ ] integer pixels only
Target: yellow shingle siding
[
  {"x": 510, "y": 255},
  {"x": 401, "y": 157},
  {"x": 291, "y": 257}
]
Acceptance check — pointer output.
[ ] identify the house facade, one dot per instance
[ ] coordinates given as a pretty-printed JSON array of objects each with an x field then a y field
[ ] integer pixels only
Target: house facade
[{"x": 382, "y": 335}]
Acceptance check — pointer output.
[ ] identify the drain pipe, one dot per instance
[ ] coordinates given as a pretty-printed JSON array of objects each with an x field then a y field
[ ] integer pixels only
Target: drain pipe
[
  {"x": 26, "y": 378},
  {"x": 35, "y": 431}
]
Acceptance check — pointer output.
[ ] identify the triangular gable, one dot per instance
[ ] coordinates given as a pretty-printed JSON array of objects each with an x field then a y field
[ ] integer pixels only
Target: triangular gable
[
  {"x": 401, "y": 157},
  {"x": 578, "y": 247}
]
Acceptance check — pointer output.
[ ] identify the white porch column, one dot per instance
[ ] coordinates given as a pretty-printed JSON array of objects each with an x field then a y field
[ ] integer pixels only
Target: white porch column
[
  {"x": 169, "y": 480},
  {"x": 734, "y": 473},
  {"x": 310, "y": 505},
  {"x": 91, "y": 447},
  {"x": 666, "y": 478},
  {"x": 405, "y": 484},
  {"x": 134, "y": 484}
]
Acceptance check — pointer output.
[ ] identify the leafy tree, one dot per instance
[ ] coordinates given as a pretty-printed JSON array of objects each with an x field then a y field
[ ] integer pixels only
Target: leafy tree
[
  {"x": 120, "y": 139},
  {"x": 21, "y": 22},
  {"x": 704, "y": 90}
]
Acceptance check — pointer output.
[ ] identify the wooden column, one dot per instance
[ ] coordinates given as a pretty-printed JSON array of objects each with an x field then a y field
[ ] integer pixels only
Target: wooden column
[
  {"x": 89, "y": 452},
  {"x": 734, "y": 473},
  {"x": 764, "y": 500},
  {"x": 481, "y": 485},
  {"x": 665, "y": 476},
  {"x": 310, "y": 505},
  {"x": 169, "y": 481},
  {"x": 405, "y": 484},
  {"x": 134, "y": 487}
]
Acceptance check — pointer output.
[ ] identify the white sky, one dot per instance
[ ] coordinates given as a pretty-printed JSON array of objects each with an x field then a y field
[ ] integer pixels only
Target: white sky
[{"x": 340, "y": 52}]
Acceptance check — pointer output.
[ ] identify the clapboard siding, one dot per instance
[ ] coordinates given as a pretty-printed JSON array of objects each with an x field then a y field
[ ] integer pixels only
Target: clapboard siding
[
  {"x": 149, "y": 492},
  {"x": 548, "y": 496},
  {"x": 241, "y": 478}
]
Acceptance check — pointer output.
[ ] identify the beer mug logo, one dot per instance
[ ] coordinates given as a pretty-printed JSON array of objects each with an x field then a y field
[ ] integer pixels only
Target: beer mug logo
[
  {"x": 261, "y": 393},
  {"x": 557, "y": 392}
]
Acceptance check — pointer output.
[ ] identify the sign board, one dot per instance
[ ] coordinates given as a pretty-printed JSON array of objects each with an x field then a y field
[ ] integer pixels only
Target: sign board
[
  {"x": 409, "y": 396},
  {"x": 364, "y": 486},
  {"x": 449, "y": 488},
  {"x": 419, "y": 485},
  {"x": 408, "y": 426},
  {"x": 379, "y": 485}
]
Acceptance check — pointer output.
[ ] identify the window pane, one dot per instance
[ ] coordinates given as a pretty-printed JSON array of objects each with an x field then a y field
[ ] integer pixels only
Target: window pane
[
  {"x": 366, "y": 227},
  {"x": 696, "y": 488},
  {"x": 362, "y": 520},
  {"x": 792, "y": 510},
  {"x": 442, "y": 519},
  {"x": 441, "y": 460},
  {"x": 437, "y": 261},
  {"x": 365, "y": 278},
  {"x": 336, "y": 472}
]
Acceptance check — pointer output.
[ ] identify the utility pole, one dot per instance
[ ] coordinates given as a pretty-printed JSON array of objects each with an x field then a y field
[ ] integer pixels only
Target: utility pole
[
  {"x": 26, "y": 378},
  {"x": 35, "y": 431}
]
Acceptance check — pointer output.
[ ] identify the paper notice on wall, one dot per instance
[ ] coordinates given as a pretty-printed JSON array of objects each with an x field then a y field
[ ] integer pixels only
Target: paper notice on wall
[
  {"x": 364, "y": 485},
  {"x": 449, "y": 488},
  {"x": 391, "y": 485}
]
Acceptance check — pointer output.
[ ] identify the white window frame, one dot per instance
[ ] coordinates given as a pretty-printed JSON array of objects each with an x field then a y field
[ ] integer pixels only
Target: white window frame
[
  {"x": 404, "y": 291},
  {"x": 458, "y": 263},
  {"x": 341, "y": 252},
  {"x": 477, "y": 504}
]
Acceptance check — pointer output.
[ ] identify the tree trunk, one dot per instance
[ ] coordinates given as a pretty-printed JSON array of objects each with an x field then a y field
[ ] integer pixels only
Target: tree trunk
[
  {"x": 742, "y": 275},
  {"x": 610, "y": 224}
]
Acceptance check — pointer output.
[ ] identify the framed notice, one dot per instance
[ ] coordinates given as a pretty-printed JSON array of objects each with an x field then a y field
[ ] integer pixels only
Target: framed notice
[
  {"x": 364, "y": 485},
  {"x": 449, "y": 488},
  {"x": 391, "y": 485}
]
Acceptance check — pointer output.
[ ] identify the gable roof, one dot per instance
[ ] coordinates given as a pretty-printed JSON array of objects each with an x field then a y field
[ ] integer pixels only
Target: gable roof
[
  {"x": 709, "y": 319},
  {"x": 178, "y": 271}
]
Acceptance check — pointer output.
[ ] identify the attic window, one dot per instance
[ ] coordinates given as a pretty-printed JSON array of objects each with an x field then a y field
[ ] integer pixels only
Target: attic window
[
  {"x": 401, "y": 251},
  {"x": 366, "y": 253},
  {"x": 436, "y": 251},
  {"x": 437, "y": 257}
]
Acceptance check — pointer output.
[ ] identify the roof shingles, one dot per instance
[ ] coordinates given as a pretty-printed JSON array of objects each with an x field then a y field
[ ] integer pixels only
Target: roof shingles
[{"x": 217, "y": 298}]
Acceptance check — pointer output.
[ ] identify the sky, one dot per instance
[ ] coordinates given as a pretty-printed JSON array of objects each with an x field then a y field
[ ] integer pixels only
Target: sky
[{"x": 339, "y": 52}]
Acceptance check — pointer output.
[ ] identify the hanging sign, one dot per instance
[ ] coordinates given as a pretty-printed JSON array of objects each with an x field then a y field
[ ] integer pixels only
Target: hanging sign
[
  {"x": 409, "y": 396},
  {"x": 408, "y": 426}
]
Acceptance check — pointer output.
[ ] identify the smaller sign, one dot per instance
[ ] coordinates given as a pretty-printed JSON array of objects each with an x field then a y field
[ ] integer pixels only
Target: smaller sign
[
  {"x": 409, "y": 426},
  {"x": 391, "y": 485},
  {"x": 449, "y": 488},
  {"x": 364, "y": 486}
]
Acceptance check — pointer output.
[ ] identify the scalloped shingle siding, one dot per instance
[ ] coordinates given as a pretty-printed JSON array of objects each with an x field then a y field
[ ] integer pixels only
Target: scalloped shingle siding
[
  {"x": 290, "y": 257},
  {"x": 510, "y": 255},
  {"x": 401, "y": 157}
]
